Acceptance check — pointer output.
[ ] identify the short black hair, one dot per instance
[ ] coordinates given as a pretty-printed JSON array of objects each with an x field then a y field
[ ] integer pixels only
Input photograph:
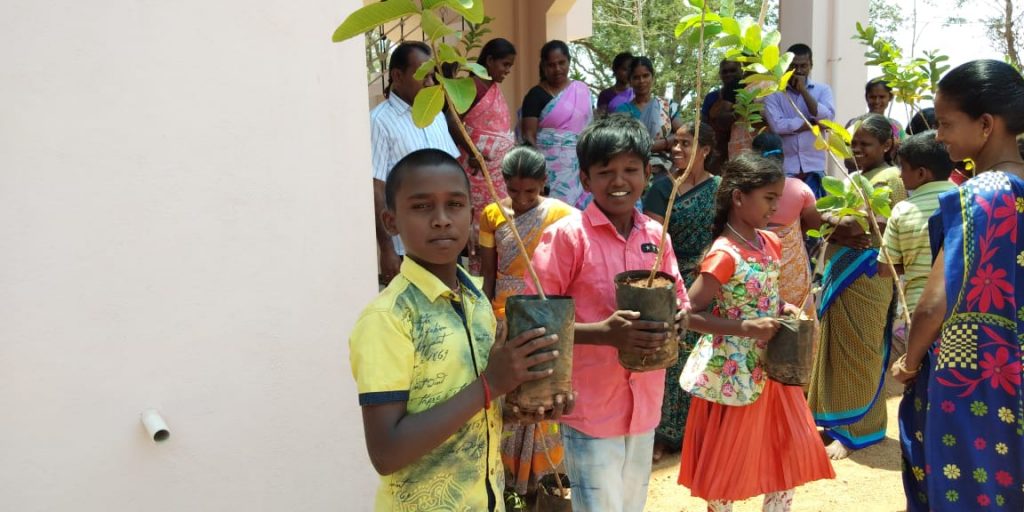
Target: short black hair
[
  {"x": 497, "y": 48},
  {"x": 402, "y": 54},
  {"x": 414, "y": 161},
  {"x": 800, "y": 49},
  {"x": 877, "y": 81},
  {"x": 621, "y": 60},
  {"x": 610, "y": 136},
  {"x": 922, "y": 150},
  {"x": 987, "y": 86},
  {"x": 641, "y": 61},
  {"x": 922, "y": 121}
]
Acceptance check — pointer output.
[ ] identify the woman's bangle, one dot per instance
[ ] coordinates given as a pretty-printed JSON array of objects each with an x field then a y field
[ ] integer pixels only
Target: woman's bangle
[
  {"x": 901, "y": 363},
  {"x": 487, "y": 392}
]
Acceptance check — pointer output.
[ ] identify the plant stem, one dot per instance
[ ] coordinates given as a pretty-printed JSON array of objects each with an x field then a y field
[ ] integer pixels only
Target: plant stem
[
  {"x": 547, "y": 455},
  {"x": 873, "y": 222},
  {"x": 693, "y": 157},
  {"x": 523, "y": 253}
]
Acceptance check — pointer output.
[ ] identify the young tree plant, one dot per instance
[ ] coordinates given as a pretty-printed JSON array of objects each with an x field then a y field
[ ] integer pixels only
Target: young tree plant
[{"x": 457, "y": 92}]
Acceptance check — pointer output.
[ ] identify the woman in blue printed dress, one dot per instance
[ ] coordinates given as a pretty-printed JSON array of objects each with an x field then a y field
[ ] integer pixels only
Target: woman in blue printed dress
[{"x": 962, "y": 422}]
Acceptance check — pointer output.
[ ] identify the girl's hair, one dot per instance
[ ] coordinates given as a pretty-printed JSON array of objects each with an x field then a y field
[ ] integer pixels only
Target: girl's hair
[
  {"x": 987, "y": 87},
  {"x": 621, "y": 60},
  {"x": 549, "y": 47},
  {"x": 524, "y": 162},
  {"x": 922, "y": 121},
  {"x": 401, "y": 56},
  {"x": 880, "y": 128},
  {"x": 768, "y": 145},
  {"x": 746, "y": 173},
  {"x": 497, "y": 49},
  {"x": 641, "y": 61},
  {"x": 877, "y": 81}
]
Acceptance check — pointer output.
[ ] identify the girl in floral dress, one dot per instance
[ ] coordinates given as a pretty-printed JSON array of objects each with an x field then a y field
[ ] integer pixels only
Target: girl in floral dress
[{"x": 745, "y": 434}]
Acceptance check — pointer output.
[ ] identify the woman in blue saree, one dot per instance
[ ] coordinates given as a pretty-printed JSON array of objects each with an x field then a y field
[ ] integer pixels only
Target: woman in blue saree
[{"x": 962, "y": 420}]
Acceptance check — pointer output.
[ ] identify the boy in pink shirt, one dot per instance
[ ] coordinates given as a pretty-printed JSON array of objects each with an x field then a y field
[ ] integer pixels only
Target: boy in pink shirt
[{"x": 609, "y": 438}]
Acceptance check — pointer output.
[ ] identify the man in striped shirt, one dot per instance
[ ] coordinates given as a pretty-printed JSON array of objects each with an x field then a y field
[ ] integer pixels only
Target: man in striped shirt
[
  {"x": 394, "y": 135},
  {"x": 925, "y": 168}
]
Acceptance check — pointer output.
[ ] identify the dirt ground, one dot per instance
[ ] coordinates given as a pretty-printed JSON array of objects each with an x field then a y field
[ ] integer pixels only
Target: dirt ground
[{"x": 868, "y": 481}]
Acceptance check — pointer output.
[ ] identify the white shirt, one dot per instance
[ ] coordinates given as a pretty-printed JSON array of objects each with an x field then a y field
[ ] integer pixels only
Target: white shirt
[{"x": 393, "y": 135}]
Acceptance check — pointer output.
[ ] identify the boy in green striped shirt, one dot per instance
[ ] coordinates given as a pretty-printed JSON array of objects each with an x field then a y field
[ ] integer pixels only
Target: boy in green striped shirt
[{"x": 924, "y": 167}]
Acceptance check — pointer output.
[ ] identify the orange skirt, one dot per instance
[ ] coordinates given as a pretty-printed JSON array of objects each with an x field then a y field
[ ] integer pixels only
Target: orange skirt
[{"x": 734, "y": 453}]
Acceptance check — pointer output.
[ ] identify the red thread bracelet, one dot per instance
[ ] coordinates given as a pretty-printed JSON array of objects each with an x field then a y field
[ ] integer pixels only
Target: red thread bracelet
[{"x": 487, "y": 392}]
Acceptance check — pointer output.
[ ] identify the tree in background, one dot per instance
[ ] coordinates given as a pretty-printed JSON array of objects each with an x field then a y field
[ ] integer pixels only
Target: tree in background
[
  {"x": 1004, "y": 21},
  {"x": 647, "y": 27}
]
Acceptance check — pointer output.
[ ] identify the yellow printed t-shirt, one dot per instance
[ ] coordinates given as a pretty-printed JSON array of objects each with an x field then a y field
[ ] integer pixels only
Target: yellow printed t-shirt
[{"x": 411, "y": 345}]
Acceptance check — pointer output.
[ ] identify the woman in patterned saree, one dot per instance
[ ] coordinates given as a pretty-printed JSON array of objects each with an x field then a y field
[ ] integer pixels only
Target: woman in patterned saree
[
  {"x": 693, "y": 212},
  {"x": 522, "y": 445},
  {"x": 489, "y": 126},
  {"x": 855, "y": 309},
  {"x": 660, "y": 116},
  {"x": 554, "y": 113},
  {"x": 962, "y": 422}
]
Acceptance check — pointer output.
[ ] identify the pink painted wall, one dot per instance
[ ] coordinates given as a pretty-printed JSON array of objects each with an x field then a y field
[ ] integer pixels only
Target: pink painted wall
[{"x": 185, "y": 224}]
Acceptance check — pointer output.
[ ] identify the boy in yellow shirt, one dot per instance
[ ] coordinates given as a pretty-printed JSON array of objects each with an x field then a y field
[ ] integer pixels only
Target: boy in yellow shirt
[{"x": 425, "y": 357}]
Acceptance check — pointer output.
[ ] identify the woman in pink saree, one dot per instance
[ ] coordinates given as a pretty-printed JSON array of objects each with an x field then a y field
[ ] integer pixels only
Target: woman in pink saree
[
  {"x": 554, "y": 113},
  {"x": 489, "y": 126}
]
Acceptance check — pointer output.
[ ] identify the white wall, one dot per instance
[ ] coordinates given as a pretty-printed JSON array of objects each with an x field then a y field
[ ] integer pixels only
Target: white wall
[{"x": 186, "y": 224}]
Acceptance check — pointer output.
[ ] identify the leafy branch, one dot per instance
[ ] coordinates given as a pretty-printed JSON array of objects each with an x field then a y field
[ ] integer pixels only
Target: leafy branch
[
  {"x": 446, "y": 63},
  {"x": 768, "y": 73}
]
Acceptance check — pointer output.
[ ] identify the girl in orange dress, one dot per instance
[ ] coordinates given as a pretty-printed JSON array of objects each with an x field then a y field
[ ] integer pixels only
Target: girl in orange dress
[{"x": 746, "y": 435}]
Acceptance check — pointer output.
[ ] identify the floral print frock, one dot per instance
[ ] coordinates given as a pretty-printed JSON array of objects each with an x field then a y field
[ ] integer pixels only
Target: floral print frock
[{"x": 728, "y": 369}]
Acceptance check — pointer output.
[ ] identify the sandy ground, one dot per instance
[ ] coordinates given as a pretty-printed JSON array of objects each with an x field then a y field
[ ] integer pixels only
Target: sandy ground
[{"x": 868, "y": 481}]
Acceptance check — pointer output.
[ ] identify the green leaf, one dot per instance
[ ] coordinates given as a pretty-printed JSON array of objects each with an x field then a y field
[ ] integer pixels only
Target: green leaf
[
  {"x": 427, "y": 105},
  {"x": 838, "y": 146},
  {"x": 863, "y": 184},
  {"x": 472, "y": 10},
  {"x": 478, "y": 70},
  {"x": 447, "y": 54},
  {"x": 731, "y": 26},
  {"x": 771, "y": 39},
  {"x": 425, "y": 69},
  {"x": 829, "y": 203},
  {"x": 770, "y": 57},
  {"x": 752, "y": 38},
  {"x": 880, "y": 205},
  {"x": 462, "y": 92},
  {"x": 785, "y": 80},
  {"x": 372, "y": 16},
  {"x": 836, "y": 128},
  {"x": 833, "y": 185},
  {"x": 813, "y": 233},
  {"x": 432, "y": 26}
]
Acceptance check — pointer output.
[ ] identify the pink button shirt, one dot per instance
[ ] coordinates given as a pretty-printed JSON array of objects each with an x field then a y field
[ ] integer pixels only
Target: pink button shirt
[{"x": 579, "y": 256}]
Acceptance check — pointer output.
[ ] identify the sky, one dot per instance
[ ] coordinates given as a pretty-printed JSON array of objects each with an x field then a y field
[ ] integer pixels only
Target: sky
[{"x": 961, "y": 43}]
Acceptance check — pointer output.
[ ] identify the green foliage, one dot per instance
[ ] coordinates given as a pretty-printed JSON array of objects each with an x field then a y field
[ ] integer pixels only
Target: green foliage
[
  {"x": 459, "y": 91},
  {"x": 472, "y": 39},
  {"x": 618, "y": 28},
  {"x": 844, "y": 199},
  {"x": 371, "y": 16},
  {"x": 912, "y": 80}
]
